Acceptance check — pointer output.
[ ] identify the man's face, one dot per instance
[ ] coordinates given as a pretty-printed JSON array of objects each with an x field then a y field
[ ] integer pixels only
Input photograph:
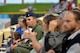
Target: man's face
[
  {"x": 30, "y": 21},
  {"x": 69, "y": 24}
]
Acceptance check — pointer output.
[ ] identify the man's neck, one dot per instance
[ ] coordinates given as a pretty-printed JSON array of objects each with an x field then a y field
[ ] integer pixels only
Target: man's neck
[
  {"x": 78, "y": 28},
  {"x": 34, "y": 25}
]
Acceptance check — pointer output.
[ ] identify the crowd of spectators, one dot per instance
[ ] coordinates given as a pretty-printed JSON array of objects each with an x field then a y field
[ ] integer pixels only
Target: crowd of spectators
[{"x": 56, "y": 33}]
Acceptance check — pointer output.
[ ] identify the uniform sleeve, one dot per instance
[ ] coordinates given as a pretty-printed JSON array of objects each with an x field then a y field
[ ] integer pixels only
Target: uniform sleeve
[{"x": 40, "y": 34}]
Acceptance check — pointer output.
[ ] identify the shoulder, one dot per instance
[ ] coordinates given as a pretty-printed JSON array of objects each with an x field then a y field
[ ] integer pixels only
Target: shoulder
[
  {"x": 39, "y": 27},
  {"x": 74, "y": 48}
]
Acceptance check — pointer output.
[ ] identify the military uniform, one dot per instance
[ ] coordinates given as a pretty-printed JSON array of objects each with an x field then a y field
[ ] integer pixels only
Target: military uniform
[{"x": 23, "y": 48}]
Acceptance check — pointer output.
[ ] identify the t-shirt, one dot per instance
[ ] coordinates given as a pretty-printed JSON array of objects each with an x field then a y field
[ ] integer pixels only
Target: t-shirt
[{"x": 19, "y": 29}]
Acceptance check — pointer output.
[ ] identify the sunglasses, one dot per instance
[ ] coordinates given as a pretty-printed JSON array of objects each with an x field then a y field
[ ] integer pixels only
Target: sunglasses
[{"x": 28, "y": 19}]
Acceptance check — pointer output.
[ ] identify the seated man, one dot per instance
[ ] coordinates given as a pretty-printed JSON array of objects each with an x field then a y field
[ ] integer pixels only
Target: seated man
[
  {"x": 31, "y": 21},
  {"x": 71, "y": 42},
  {"x": 63, "y": 5},
  {"x": 48, "y": 26}
]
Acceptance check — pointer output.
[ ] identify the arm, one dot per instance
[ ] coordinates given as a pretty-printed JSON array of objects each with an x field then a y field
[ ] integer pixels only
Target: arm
[{"x": 35, "y": 44}]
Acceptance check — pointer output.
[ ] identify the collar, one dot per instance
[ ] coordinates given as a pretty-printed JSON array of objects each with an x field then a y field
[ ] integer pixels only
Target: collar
[
  {"x": 35, "y": 27},
  {"x": 73, "y": 35}
]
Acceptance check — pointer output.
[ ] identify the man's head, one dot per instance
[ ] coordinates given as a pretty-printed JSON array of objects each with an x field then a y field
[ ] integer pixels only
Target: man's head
[
  {"x": 71, "y": 21},
  {"x": 31, "y": 19}
]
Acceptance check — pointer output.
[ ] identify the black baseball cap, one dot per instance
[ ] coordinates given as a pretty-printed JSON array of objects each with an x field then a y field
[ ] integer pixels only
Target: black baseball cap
[{"x": 28, "y": 14}]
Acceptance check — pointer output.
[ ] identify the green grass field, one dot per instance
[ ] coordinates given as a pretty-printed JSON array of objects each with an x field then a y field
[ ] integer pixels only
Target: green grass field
[{"x": 40, "y": 7}]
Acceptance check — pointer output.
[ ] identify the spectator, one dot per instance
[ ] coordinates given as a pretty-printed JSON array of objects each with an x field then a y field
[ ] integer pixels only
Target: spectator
[
  {"x": 71, "y": 5},
  {"x": 61, "y": 6},
  {"x": 71, "y": 42},
  {"x": 72, "y": 25},
  {"x": 16, "y": 38},
  {"x": 53, "y": 39},
  {"x": 31, "y": 21},
  {"x": 37, "y": 46},
  {"x": 22, "y": 26},
  {"x": 30, "y": 8}
]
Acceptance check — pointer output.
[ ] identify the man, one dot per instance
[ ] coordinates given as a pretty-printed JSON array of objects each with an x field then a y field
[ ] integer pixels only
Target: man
[
  {"x": 37, "y": 45},
  {"x": 31, "y": 21},
  {"x": 61, "y": 6},
  {"x": 30, "y": 8},
  {"x": 71, "y": 43}
]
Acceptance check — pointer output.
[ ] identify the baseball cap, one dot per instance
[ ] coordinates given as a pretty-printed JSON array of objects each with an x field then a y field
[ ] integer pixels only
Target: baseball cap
[{"x": 28, "y": 14}]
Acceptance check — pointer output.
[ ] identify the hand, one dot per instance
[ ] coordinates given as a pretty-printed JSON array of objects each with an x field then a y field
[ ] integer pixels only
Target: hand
[
  {"x": 27, "y": 33},
  {"x": 52, "y": 25},
  {"x": 13, "y": 46},
  {"x": 50, "y": 51}
]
